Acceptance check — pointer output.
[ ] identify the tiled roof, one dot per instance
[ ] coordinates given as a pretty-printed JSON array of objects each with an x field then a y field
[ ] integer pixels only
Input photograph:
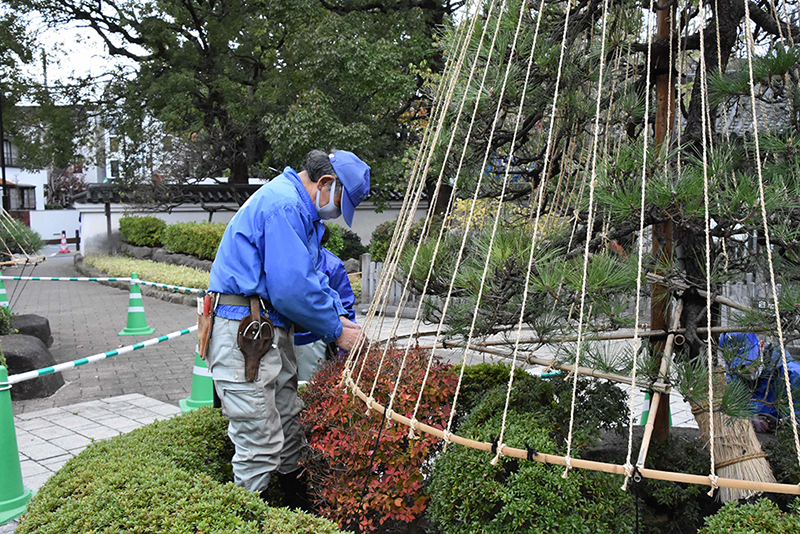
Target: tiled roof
[
  {"x": 193, "y": 194},
  {"x": 186, "y": 194}
]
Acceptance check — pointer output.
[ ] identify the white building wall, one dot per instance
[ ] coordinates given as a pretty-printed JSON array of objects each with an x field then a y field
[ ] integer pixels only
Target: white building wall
[
  {"x": 50, "y": 223},
  {"x": 94, "y": 231}
]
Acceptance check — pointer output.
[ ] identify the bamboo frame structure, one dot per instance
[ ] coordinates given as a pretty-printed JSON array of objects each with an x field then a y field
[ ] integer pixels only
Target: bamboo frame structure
[
  {"x": 704, "y": 480},
  {"x": 662, "y": 373}
]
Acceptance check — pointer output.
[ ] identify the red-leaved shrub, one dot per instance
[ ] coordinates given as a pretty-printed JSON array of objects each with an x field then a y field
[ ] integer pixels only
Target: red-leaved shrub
[{"x": 351, "y": 487}]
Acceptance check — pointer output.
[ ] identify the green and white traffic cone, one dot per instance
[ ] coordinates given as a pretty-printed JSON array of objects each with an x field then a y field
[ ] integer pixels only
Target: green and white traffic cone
[
  {"x": 646, "y": 410},
  {"x": 14, "y": 496},
  {"x": 3, "y": 294},
  {"x": 202, "y": 393},
  {"x": 137, "y": 323}
]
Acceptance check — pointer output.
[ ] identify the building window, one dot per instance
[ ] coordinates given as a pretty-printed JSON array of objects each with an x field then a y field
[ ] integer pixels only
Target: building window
[
  {"x": 22, "y": 198},
  {"x": 114, "y": 165},
  {"x": 8, "y": 154}
]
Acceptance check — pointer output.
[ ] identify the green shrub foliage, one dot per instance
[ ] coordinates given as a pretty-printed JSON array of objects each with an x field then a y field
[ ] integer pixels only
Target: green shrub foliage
[
  {"x": 382, "y": 238},
  {"x": 168, "y": 477},
  {"x": 335, "y": 240},
  {"x": 5, "y": 321},
  {"x": 142, "y": 231},
  {"x": 16, "y": 238},
  {"x": 760, "y": 517},
  {"x": 196, "y": 239},
  {"x": 468, "y": 494},
  {"x": 368, "y": 475}
]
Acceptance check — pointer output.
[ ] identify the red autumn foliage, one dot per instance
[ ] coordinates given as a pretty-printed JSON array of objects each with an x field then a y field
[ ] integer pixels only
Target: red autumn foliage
[{"x": 342, "y": 436}]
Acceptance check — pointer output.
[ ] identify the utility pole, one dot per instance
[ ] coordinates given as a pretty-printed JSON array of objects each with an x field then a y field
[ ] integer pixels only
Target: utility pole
[
  {"x": 6, "y": 206},
  {"x": 662, "y": 241}
]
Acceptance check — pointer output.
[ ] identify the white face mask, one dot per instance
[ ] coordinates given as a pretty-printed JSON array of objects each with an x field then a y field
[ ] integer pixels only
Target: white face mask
[{"x": 329, "y": 210}]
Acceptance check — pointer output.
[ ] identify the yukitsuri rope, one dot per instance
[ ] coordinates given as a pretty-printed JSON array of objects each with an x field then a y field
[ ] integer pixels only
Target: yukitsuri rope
[
  {"x": 643, "y": 183},
  {"x": 768, "y": 246},
  {"x": 445, "y": 106},
  {"x": 459, "y": 257},
  {"x": 589, "y": 226},
  {"x": 494, "y": 228},
  {"x": 29, "y": 375},
  {"x": 474, "y": 201},
  {"x": 709, "y": 354},
  {"x": 457, "y": 69}
]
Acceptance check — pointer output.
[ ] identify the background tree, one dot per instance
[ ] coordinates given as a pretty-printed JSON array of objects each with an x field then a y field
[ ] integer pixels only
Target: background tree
[
  {"x": 674, "y": 173},
  {"x": 254, "y": 84}
]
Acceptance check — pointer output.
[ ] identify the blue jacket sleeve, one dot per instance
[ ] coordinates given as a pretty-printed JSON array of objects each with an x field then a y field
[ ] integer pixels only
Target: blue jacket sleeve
[
  {"x": 296, "y": 288},
  {"x": 339, "y": 281}
]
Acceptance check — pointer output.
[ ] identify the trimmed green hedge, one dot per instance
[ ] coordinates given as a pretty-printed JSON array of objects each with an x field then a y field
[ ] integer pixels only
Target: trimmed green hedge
[
  {"x": 468, "y": 494},
  {"x": 168, "y": 477},
  {"x": 196, "y": 239},
  {"x": 142, "y": 231},
  {"x": 15, "y": 237},
  {"x": 760, "y": 517}
]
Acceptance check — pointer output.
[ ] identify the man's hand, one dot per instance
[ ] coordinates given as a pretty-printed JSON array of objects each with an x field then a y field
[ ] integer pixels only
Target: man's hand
[{"x": 350, "y": 331}]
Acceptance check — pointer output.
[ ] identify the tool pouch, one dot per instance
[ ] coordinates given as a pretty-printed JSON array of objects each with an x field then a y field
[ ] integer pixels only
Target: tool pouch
[
  {"x": 255, "y": 338},
  {"x": 205, "y": 321}
]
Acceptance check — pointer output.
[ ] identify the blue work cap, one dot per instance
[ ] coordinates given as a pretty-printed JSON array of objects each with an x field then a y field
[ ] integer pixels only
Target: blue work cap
[{"x": 354, "y": 175}]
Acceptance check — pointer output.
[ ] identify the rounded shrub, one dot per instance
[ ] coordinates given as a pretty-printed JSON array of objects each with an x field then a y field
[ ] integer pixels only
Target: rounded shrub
[
  {"x": 16, "y": 238},
  {"x": 468, "y": 494},
  {"x": 196, "y": 239},
  {"x": 169, "y": 477},
  {"x": 760, "y": 517},
  {"x": 5, "y": 321},
  {"x": 142, "y": 231},
  {"x": 335, "y": 241},
  {"x": 382, "y": 238},
  {"x": 366, "y": 473}
]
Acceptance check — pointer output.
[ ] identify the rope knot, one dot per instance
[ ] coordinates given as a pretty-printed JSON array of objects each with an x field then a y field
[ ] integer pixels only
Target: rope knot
[
  {"x": 628, "y": 473},
  {"x": 411, "y": 428},
  {"x": 499, "y": 449},
  {"x": 714, "y": 484},
  {"x": 568, "y": 462},
  {"x": 446, "y": 436}
]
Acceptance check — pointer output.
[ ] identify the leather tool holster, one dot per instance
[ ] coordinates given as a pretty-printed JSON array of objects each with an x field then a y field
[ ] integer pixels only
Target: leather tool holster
[
  {"x": 205, "y": 323},
  {"x": 255, "y": 337}
]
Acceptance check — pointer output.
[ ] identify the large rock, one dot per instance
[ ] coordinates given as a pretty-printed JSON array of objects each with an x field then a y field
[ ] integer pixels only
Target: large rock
[
  {"x": 27, "y": 353},
  {"x": 33, "y": 325},
  {"x": 352, "y": 265}
]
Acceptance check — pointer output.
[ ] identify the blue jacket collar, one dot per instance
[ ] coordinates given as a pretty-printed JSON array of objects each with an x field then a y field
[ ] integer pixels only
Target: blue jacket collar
[{"x": 301, "y": 190}]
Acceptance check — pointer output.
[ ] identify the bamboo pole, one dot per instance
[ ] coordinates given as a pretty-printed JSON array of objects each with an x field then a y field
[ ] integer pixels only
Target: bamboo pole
[
  {"x": 605, "y": 336},
  {"x": 791, "y": 489},
  {"x": 654, "y": 278},
  {"x": 656, "y": 399}
]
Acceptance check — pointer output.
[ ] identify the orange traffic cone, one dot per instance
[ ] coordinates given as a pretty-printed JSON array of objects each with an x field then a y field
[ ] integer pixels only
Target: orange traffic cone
[{"x": 64, "y": 248}]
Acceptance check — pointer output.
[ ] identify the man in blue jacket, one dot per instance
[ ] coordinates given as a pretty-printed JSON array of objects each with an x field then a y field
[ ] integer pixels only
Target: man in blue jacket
[
  {"x": 271, "y": 249},
  {"x": 309, "y": 349}
]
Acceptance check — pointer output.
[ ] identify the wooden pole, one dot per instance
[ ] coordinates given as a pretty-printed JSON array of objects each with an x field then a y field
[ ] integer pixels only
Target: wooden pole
[{"x": 662, "y": 244}]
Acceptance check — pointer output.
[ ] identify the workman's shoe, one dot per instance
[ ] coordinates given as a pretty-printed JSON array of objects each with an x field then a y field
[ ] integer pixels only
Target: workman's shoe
[{"x": 295, "y": 491}]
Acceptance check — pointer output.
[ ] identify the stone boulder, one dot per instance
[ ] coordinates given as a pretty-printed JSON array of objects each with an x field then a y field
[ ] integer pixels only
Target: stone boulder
[
  {"x": 33, "y": 325},
  {"x": 352, "y": 265},
  {"x": 27, "y": 353}
]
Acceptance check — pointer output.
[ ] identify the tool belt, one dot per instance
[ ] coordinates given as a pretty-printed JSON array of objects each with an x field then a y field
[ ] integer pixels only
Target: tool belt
[{"x": 255, "y": 336}]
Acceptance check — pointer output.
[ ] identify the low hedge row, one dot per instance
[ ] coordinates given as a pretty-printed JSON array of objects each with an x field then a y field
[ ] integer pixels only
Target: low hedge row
[
  {"x": 196, "y": 239},
  {"x": 171, "y": 476},
  {"x": 202, "y": 239},
  {"x": 142, "y": 231}
]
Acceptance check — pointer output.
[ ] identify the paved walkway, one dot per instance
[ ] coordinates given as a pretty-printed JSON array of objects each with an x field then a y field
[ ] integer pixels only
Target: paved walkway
[{"x": 85, "y": 318}]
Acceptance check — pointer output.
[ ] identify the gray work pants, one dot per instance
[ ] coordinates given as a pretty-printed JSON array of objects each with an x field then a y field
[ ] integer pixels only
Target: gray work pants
[
  {"x": 264, "y": 424},
  {"x": 310, "y": 357}
]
